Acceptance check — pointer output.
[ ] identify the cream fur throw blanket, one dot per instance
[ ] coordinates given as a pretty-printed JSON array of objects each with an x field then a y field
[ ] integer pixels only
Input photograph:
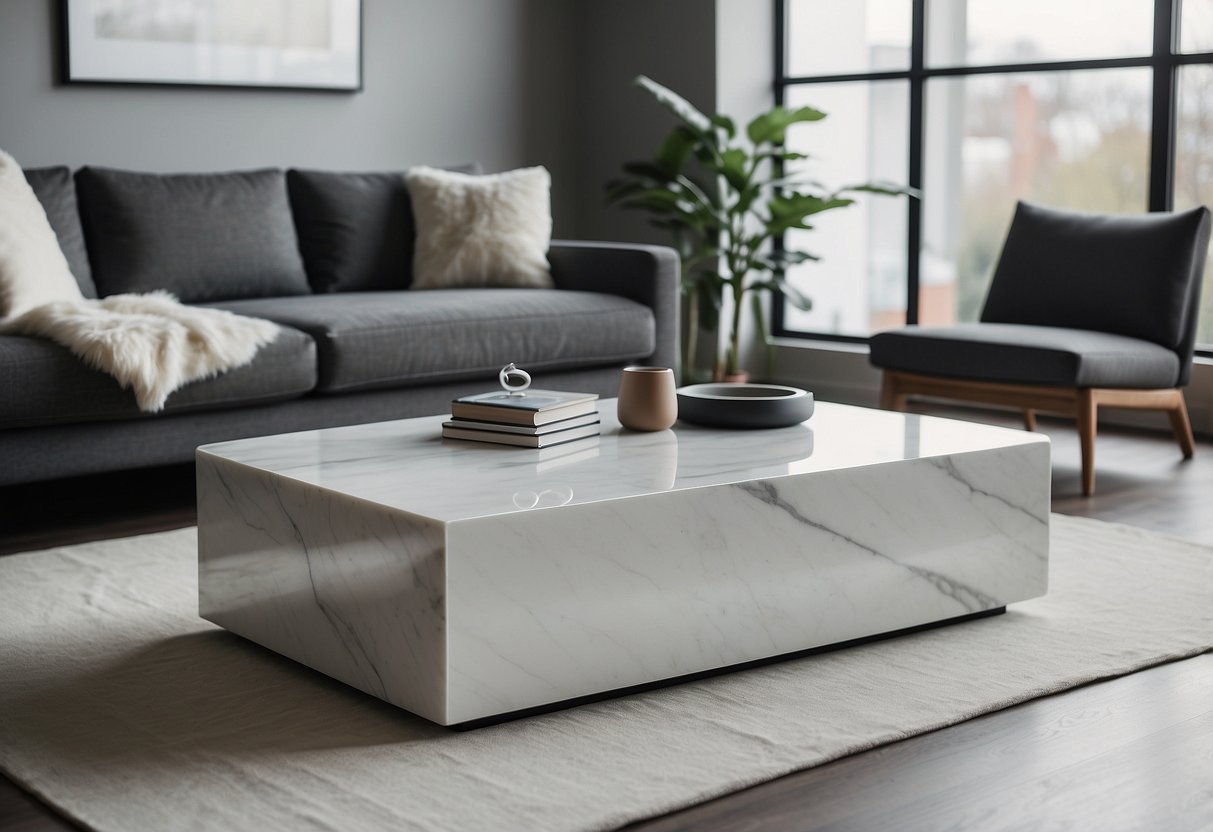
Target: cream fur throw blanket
[{"x": 151, "y": 344}]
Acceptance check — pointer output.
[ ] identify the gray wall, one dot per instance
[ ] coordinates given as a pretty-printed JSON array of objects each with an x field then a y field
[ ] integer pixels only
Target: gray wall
[
  {"x": 503, "y": 82},
  {"x": 744, "y": 89},
  {"x": 445, "y": 82},
  {"x": 671, "y": 41}
]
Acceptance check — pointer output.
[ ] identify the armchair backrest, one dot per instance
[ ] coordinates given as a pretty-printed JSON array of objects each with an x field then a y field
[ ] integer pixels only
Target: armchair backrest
[{"x": 1130, "y": 274}]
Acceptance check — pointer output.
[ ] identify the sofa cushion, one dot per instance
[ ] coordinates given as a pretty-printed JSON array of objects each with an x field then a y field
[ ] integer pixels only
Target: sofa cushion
[
  {"x": 202, "y": 237},
  {"x": 33, "y": 269},
  {"x": 481, "y": 231},
  {"x": 386, "y": 339},
  {"x": 57, "y": 387},
  {"x": 355, "y": 229},
  {"x": 1027, "y": 355},
  {"x": 56, "y": 190}
]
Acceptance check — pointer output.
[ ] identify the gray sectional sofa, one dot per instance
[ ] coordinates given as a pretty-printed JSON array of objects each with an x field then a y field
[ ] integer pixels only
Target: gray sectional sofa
[{"x": 328, "y": 257}]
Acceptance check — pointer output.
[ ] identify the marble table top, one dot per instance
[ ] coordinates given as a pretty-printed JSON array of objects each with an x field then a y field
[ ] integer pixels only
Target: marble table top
[{"x": 406, "y": 465}]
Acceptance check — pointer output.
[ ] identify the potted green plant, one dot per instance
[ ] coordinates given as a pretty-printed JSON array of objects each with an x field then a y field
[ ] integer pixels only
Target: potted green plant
[{"x": 726, "y": 201}]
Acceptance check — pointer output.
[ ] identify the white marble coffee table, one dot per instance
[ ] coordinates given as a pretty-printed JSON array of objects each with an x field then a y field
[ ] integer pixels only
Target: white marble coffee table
[{"x": 465, "y": 581}]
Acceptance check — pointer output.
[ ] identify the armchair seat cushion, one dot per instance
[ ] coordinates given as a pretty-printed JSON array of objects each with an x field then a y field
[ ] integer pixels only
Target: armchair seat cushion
[
  {"x": 1025, "y": 354},
  {"x": 367, "y": 340}
]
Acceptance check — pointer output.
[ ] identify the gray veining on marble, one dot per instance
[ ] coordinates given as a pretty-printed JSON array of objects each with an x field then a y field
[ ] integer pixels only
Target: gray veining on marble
[{"x": 462, "y": 581}]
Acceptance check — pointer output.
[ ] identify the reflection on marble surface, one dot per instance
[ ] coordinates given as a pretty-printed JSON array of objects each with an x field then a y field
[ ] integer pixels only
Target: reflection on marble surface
[
  {"x": 461, "y": 580},
  {"x": 407, "y": 465}
]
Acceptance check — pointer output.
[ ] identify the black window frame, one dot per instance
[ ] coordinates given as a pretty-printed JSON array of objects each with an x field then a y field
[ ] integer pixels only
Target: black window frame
[{"x": 1164, "y": 61}]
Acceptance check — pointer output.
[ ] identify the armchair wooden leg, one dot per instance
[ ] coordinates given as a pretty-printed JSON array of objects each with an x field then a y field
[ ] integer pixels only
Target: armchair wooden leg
[
  {"x": 1182, "y": 426},
  {"x": 1029, "y": 420},
  {"x": 1087, "y": 409},
  {"x": 890, "y": 398}
]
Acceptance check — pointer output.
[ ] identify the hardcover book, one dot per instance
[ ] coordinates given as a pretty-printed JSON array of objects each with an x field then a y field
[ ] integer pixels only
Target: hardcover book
[
  {"x": 524, "y": 430},
  {"x": 537, "y": 407},
  {"x": 541, "y": 441}
]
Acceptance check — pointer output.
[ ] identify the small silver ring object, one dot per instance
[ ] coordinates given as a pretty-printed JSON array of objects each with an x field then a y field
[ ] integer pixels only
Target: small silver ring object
[{"x": 513, "y": 380}]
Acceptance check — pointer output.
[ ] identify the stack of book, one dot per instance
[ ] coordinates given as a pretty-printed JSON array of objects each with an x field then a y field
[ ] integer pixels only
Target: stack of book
[{"x": 538, "y": 419}]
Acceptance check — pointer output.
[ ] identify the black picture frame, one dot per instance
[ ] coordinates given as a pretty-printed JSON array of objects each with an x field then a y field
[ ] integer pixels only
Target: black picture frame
[{"x": 129, "y": 49}]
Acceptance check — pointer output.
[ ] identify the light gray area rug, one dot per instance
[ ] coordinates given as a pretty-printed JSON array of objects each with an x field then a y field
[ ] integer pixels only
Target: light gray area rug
[{"x": 126, "y": 711}]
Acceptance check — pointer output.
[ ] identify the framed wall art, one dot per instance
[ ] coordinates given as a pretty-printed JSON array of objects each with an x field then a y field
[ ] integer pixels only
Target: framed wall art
[{"x": 290, "y": 44}]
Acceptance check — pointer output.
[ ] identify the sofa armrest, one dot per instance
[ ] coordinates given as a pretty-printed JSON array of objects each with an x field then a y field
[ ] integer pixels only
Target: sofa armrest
[{"x": 645, "y": 274}]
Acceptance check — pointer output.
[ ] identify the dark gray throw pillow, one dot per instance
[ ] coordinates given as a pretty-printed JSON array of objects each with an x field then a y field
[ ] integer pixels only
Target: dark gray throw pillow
[
  {"x": 56, "y": 190},
  {"x": 355, "y": 229},
  {"x": 203, "y": 237}
]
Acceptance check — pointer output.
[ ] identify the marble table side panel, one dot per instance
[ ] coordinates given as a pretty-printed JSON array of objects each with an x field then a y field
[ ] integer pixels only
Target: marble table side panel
[
  {"x": 564, "y": 602},
  {"x": 347, "y": 587}
]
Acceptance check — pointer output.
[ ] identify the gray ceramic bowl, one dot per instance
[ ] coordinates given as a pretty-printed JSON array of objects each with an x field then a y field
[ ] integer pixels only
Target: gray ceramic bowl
[{"x": 744, "y": 405}]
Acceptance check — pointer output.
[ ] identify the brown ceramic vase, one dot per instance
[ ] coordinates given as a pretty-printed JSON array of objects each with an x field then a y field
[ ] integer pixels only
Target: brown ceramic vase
[{"x": 647, "y": 400}]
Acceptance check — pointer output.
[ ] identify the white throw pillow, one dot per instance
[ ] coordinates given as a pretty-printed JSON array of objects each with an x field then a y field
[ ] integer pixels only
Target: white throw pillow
[
  {"x": 481, "y": 230},
  {"x": 33, "y": 270}
]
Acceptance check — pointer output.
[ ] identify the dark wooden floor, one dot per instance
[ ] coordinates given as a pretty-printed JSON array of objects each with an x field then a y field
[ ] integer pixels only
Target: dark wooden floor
[
  {"x": 1130, "y": 753},
  {"x": 40, "y": 515}
]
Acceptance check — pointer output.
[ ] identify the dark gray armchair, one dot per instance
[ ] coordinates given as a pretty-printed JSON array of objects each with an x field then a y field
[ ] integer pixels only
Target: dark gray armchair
[{"x": 1084, "y": 310}]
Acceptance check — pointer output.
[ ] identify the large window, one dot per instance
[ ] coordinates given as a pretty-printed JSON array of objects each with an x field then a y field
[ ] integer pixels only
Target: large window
[{"x": 1102, "y": 106}]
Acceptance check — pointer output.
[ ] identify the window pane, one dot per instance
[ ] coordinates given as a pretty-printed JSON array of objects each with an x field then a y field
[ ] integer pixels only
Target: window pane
[
  {"x": 987, "y": 32},
  {"x": 827, "y": 37},
  {"x": 1196, "y": 26},
  {"x": 859, "y": 285},
  {"x": 1194, "y": 166},
  {"x": 1068, "y": 139}
]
